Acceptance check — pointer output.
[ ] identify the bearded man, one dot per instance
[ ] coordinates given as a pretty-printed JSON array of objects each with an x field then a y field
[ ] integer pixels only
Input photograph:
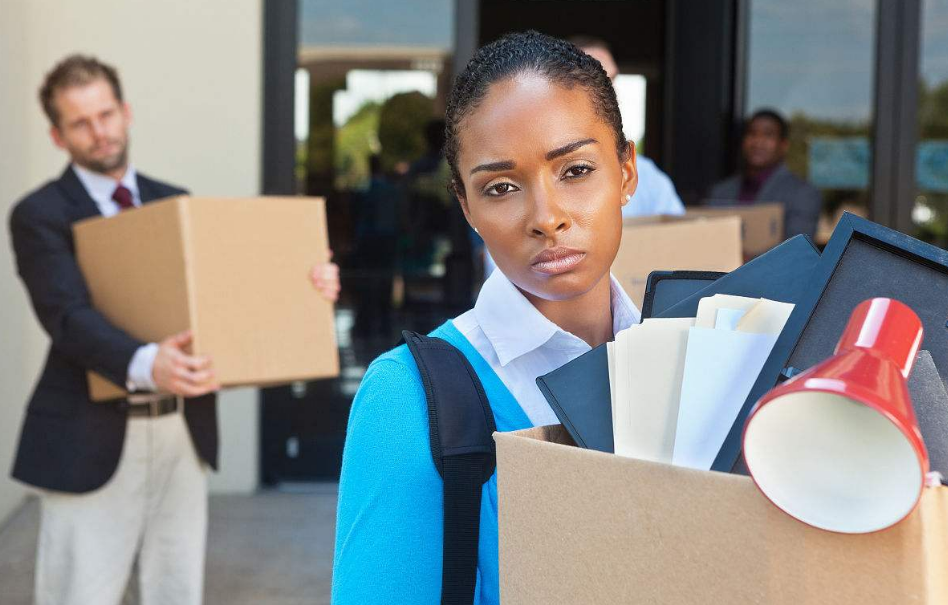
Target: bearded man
[{"x": 126, "y": 479}]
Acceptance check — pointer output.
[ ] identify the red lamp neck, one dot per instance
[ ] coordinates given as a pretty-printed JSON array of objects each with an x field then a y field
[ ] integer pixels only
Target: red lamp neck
[{"x": 888, "y": 328}]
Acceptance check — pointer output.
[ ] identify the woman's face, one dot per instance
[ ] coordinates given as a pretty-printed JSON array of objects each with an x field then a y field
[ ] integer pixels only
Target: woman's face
[{"x": 544, "y": 186}]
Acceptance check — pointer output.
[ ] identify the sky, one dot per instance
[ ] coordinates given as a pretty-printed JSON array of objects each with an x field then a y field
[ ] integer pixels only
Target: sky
[
  {"x": 818, "y": 56},
  {"x": 815, "y": 56},
  {"x": 377, "y": 23},
  {"x": 934, "y": 49}
]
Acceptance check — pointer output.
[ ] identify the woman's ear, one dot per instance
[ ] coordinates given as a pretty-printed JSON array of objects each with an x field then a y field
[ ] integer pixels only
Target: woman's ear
[{"x": 630, "y": 172}]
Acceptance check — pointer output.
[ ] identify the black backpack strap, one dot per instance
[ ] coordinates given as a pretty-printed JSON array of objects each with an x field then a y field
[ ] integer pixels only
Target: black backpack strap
[{"x": 461, "y": 427}]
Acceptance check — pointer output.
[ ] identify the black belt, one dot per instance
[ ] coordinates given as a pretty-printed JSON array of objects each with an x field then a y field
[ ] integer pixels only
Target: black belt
[{"x": 154, "y": 407}]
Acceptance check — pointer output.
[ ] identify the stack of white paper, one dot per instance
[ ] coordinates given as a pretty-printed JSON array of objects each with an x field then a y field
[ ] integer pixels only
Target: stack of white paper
[
  {"x": 678, "y": 384},
  {"x": 649, "y": 361}
]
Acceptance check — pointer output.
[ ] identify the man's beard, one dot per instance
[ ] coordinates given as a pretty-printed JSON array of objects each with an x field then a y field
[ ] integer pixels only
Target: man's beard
[{"x": 106, "y": 165}]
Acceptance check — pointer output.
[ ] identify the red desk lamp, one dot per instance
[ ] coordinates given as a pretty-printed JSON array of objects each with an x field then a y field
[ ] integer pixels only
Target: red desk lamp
[{"x": 838, "y": 446}]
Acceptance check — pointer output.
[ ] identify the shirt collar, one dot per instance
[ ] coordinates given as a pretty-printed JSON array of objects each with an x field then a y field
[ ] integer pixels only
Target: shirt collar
[
  {"x": 515, "y": 327},
  {"x": 624, "y": 312},
  {"x": 101, "y": 187}
]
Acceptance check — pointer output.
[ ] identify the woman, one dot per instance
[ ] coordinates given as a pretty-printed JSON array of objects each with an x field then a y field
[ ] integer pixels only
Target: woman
[{"x": 541, "y": 169}]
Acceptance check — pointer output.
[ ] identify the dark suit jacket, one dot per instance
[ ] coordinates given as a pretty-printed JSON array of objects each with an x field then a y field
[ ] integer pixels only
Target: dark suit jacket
[
  {"x": 802, "y": 202},
  {"x": 67, "y": 442}
]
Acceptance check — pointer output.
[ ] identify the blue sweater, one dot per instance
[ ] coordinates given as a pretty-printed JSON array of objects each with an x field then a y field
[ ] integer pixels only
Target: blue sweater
[{"x": 389, "y": 524}]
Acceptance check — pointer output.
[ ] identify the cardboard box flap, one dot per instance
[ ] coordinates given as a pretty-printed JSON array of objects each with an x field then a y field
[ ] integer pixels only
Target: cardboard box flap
[
  {"x": 654, "y": 219},
  {"x": 675, "y": 243},
  {"x": 579, "y": 526},
  {"x": 762, "y": 223},
  {"x": 933, "y": 514},
  {"x": 228, "y": 251},
  {"x": 137, "y": 257},
  {"x": 234, "y": 271}
]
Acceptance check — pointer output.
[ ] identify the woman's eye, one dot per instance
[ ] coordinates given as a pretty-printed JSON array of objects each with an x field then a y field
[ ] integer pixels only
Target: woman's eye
[
  {"x": 577, "y": 171},
  {"x": 499, "y": 189}
]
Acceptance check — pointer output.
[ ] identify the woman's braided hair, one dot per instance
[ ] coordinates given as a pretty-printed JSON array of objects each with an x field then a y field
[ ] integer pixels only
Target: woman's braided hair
[{"x": 557, "y": 60}]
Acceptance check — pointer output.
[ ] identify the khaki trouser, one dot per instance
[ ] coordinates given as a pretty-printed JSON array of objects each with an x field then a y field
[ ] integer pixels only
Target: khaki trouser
[{"x": 153, "y": 508}]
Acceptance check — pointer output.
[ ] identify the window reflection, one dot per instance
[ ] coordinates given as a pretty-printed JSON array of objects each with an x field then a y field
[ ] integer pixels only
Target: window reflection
[
  {"x": 813, "y": 61},
  {"x": 930, "y": 212}
]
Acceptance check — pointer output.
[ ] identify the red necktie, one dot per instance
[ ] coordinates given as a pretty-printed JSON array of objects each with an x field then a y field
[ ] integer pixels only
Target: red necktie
[{"x": 123, "y": 197}]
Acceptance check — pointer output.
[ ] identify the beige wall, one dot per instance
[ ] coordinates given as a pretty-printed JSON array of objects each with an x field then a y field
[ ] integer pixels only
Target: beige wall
[{"x": 192, "y": 73}]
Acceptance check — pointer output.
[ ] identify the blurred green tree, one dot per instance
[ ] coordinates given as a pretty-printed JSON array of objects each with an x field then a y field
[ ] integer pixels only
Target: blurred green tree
[
  {"x": 933, "y": 110},
  {"x": 320, "y": 150},
  {"x": 356, "y": 140},
  {"x": 401, "y": 128}
]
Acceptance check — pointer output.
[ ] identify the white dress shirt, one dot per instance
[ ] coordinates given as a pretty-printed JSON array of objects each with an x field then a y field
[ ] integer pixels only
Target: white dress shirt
[
  {"x": 655, "y": 193},
  {"x": 100, "y": 188},
  {"x": 521, "y": 344}
]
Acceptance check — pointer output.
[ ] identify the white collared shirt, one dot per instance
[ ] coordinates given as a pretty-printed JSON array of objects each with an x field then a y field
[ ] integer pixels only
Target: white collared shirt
[
  {"x": 101, "y": 188},
  {"x": 521, "y": 344}
]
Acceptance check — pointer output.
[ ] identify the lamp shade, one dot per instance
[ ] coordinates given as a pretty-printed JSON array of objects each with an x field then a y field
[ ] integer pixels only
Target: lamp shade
[{"x": 838, "y": 446}]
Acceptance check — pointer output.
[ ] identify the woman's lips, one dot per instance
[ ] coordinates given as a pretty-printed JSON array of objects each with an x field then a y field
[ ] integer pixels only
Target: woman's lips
[{"x": 554, "y": 261}]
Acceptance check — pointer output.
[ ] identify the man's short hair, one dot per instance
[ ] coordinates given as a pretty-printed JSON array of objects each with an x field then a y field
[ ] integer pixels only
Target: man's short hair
[
  {"x": 771, "y": 114},
  {"x": 75, "y": 70},
  {"x": 589, "y": 42}
]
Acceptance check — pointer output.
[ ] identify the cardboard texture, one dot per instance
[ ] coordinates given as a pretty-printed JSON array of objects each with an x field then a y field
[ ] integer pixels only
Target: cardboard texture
[
  {"x": 580, "y": 526},
  {"x": 672, "y": 244},
  {"x": 234, "y": 271},
  {"x": 761, "y": 224}
]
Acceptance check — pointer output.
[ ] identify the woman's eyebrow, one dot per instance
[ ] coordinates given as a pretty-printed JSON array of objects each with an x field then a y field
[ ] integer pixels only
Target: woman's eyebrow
[
  {"x": 561, "y": 151},
  {"x": 494, "y": 166},
  {"x": 550, "y": 155}
]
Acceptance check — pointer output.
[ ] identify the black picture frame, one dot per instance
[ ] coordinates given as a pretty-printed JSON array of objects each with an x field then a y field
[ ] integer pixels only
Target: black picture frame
[{"x": 851, "y": 230}]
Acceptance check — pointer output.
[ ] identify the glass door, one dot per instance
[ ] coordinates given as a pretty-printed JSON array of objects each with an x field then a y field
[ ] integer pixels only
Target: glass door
[
  {"x": 814, "y": 62},
  {"x": 930, "y": 208}
]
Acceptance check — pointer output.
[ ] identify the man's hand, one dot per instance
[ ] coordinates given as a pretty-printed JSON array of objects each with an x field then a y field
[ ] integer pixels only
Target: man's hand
[
  {"x": 326, "y": 279},
  {"x": 178, "y": 373}
]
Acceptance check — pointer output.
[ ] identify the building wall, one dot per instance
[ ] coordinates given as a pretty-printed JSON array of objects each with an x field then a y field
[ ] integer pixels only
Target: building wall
[{"x": 192, "y": 74}]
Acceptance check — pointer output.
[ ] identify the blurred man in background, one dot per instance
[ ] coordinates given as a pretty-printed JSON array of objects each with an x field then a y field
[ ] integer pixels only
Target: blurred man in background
[
  {"x": 124, "y": 478},
  {"x": 655, "y": 193},
  {"x": 764, "y": 176}
]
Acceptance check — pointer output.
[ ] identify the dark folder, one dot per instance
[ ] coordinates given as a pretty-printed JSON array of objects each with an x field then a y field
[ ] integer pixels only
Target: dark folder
[
  {"x": 782, "y": 274},
  {"x": 580, "y": 397}
]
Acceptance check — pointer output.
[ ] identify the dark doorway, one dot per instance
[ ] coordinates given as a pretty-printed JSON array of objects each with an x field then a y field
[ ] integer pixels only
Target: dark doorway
[
  {"x": 634, "y": 31},
  {"x": 351, "y": 99}
]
